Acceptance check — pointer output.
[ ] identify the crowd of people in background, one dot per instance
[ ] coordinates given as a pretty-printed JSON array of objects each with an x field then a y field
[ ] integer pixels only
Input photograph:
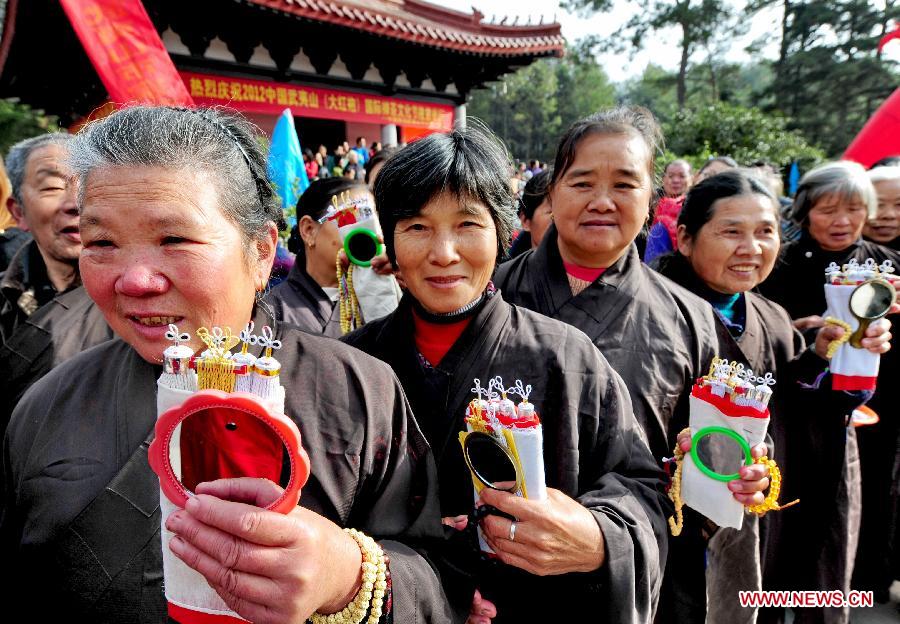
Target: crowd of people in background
[{"x": 607, "y": 289}]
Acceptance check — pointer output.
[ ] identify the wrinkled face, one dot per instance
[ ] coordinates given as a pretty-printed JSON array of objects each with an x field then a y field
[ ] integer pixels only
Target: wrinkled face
[
  {"x": 538, "y": 223},
  {"x": 601, "y": 202},
  {"x": 447, "y": 252},
  {"x": 158, "y": 249},
  {"x": 48, "y": 208},
  {"x": 836, "y": 222},
  {"x": 885, "y": 227},
  {"x": 677, "y": 179},
  {"x": 736, "y": 249}
]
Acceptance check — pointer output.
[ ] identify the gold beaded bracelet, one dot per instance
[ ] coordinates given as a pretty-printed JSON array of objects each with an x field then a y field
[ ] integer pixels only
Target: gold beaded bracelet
[{"x": 370, "y": 597}]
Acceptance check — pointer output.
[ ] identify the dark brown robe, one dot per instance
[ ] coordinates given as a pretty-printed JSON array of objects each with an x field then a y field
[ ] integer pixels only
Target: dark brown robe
[
  {"x": 299, "y": 300},
  {"x": 797, "y": 284},
  {"x": 655, "y": 334},
  {"x": 593, "y": 451},
  {"x": 803, "y": 547},
  {"x": 76, "y": 428},
  {"x": 660, "y": 338}
]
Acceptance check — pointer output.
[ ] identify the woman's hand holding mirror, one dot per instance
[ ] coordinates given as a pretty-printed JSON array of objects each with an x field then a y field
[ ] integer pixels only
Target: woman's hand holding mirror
[
  {"x": 266, "y": 566},
  {"x": 750, "y": 488},
  {"x": 870, "y": 301},
  {"x": 553, "y": 536}
]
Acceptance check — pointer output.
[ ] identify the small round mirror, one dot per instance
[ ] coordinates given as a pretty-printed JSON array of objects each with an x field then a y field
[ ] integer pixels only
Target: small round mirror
[
  {"x": 870, "y": 301},
  {"x": 361, "y": 246},
  {"x": 719, "y": 452},
  {"x": 491, "y": 463}
]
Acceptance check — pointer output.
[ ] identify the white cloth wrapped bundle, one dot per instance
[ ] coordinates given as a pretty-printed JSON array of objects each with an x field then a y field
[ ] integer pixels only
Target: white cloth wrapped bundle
[
  {"x": 529, "y": 447},
  {"x": 185, "y": 587},
  {"x": 712, "y": 498},
  {"x": 851, "y": 368}
]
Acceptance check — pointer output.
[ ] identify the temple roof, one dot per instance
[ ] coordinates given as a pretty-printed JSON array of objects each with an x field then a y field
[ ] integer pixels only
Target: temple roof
[{"x": 427, "y": 24}]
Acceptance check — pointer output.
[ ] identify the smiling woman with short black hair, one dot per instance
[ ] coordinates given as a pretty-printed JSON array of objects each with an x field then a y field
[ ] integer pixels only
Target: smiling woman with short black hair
[{"x": 597, "y": 542}]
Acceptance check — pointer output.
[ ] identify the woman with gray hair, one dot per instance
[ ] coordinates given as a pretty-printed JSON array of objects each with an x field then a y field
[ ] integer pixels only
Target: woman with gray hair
[
  {"x": 179, "y": 227},
  {"x": 884, "y": 227},
  {"x": 832, "y": 204}
]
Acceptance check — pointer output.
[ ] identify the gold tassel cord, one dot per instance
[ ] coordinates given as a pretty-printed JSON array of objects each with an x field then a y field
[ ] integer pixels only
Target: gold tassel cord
[
  {"x": 676, "y": 522},
  {"x": 349, "y": 305},
  {"x": 835, "y": 344},
  {"x": 771, "y": 501}
]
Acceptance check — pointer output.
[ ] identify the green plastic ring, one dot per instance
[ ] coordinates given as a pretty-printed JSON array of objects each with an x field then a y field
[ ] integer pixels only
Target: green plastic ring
[
  {"x": 379, "y": 247},
  {"x": 731, "y": 433}
]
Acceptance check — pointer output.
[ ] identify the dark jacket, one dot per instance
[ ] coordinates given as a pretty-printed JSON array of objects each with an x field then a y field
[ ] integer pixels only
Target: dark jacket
[
  {"x": 593, "y": 451},
  {"x": 11, "y": 240},
  {"x": 84, "y": 539},
  {"x": 68, "y": 325},
  {"x": 24, "y": 287},
  {"x": 300, "y": 301}
]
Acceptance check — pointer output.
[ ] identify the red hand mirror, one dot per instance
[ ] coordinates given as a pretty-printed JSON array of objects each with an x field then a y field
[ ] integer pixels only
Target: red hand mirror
[{"x": 216, "y": 435}]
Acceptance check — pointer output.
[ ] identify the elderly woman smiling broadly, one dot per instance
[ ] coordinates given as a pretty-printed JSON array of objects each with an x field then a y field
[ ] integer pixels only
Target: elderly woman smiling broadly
[
  {"x": 728, "y": 240},
  {"x": 832, "y": 205},
  {"x": 596, "y": 543},
  {"x": 178, "y": 221}
]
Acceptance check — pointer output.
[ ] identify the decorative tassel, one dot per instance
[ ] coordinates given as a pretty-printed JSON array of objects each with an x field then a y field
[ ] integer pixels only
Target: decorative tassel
[
  {"x": 177, "y": 373},
  {"x": 267, "y": 370}
]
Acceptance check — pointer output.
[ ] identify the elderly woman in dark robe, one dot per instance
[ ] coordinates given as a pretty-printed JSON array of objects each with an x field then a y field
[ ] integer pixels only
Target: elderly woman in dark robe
[
  {"x": 596, "y": 543},
  {"x": 832, "y": 205},
  {"x": 179, "y": 226},
  {"x": 658, "y": 336},
  {"x": 728, "y": 242}
]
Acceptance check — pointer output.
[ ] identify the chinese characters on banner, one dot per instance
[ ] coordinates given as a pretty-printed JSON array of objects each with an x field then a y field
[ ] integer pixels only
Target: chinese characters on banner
[
  {"x": 271, "y": 97},
  {"x": 126, "y": 51}
]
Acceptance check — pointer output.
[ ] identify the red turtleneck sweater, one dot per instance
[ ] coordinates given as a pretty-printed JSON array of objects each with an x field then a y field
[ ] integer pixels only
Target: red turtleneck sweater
[{"x": 433, "y": 340}]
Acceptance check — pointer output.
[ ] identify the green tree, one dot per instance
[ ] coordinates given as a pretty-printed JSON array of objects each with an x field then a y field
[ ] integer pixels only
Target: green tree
[
  {"x": 829, "y": 78},
  {"x": 530, "y": 108},
  {"x": 745, "y": 134},
  {"x": 19, "y": 121},
  {"x": 699, "y": 22}
]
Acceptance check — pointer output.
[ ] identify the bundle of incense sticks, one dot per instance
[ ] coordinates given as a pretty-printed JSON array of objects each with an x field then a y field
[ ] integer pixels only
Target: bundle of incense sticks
[
  {"x": 730, "y": 397},
  {"x": 217, "y": 368},
  {"x": 516, "y": 427},
  {"x": 854, "y": 273},
  {"x": 189, "y": 596}
]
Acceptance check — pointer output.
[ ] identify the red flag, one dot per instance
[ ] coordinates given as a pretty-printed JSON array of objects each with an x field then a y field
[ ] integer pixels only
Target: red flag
[
  {"x": 894, "y": 34},
  {"x": 880, "y": 137},
  {"x": 127, "y": 52}
]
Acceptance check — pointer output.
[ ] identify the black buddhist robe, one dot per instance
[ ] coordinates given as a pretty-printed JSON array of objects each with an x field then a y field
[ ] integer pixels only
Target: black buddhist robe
[
  {"x": 655, "y": 334},
  {"x": 797, "y": 284},
  {"x": 804, "y": 547},
  {"x": 660, "y": 338},
  {"x": 594, "y": 452},
  {"x": 299, "y": 300},
  {"x": 68, "y": 325},
  {"x": 84, "y": 541}
]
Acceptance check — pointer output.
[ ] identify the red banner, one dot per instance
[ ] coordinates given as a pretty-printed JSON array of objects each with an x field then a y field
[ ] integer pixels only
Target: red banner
[
  {"x": 126, "y": 51},
  {"x": 256, "y": 96}
]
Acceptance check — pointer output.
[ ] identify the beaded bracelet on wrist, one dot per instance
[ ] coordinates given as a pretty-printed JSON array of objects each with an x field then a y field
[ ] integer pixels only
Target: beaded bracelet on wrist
[{"x": 370, "y": 597}]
